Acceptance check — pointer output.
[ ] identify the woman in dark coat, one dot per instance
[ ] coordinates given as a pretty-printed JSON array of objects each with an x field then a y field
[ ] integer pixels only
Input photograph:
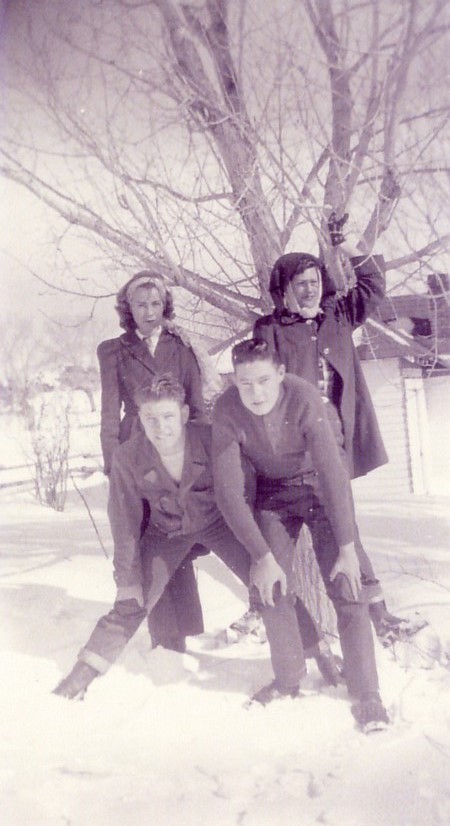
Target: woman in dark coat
[
  {"x": 150, "y": 345},
  {"x": 311, "y": 328}
]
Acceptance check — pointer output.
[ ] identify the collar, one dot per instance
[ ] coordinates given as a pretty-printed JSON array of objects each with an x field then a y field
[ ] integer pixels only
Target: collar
[
  {"x": 153, "y": 337},
  {"x": 288, "y": 317}
]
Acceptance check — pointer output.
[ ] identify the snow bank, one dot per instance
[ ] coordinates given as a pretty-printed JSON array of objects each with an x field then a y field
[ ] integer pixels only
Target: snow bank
[{"x": 164, "y": 739}]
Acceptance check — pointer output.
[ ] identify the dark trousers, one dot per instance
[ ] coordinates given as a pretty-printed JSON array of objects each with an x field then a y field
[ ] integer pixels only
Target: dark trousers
[
  {"x": 161, "y": 558},
  {"x": 178, "y": 612},
  {"x": 280, "y": 515}
]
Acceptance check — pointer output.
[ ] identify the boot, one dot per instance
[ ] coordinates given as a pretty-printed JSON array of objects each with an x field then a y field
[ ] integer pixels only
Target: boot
[
  {"x": 370, "y": 713},
  {"x": 272, "y": 692},
  {"x": 250, "y": 625},
  {"x": 387, "y": 626},
  {"x": 75, "y": 685}
]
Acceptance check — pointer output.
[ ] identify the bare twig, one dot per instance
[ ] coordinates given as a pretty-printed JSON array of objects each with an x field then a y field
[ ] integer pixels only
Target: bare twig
[{"x": 86, "y": 504}]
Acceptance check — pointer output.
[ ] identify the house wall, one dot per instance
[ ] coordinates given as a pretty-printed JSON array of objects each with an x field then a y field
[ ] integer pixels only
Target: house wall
[
  {"x": 388, "y": 395},
  {"x": 437, "y": 402}
]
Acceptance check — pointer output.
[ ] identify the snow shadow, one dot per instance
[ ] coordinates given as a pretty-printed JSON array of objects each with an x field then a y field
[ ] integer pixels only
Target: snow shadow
[{"x": 45, "y": 621}]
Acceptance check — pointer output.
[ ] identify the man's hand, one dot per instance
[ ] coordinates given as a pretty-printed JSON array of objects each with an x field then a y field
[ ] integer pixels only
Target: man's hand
[
  {"x": 348, "y": 565},
  {"x": 265, "y": 574}
]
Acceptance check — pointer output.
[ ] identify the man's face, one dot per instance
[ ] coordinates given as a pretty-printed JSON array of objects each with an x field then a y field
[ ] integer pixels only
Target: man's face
[
  {"x": 164, "y": 422},
  {"x": 147, "y": 309},
  {"x": 306, "y": 287},
  {"x": 258, "y": 384}
]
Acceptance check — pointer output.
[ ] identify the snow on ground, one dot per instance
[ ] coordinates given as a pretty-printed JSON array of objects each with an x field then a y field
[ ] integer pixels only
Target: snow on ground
[{"x": 164, "y": 739}]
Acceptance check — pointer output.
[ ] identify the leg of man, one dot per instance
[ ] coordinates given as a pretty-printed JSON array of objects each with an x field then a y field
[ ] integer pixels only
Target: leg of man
[
  {"x": 386, "y": 625},
  {"x": 178, "y": 612},
  {"x": 114, "y": 630},
  {"x": 352, "y": 614},
  {"x": 288, "y": 509},
  {"x": 280, "y": 621},
  {"x": 111, "y": 634}
]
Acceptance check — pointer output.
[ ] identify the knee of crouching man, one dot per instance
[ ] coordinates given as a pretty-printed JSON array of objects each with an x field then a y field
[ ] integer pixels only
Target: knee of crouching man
[{"x": 339, "y": 590}]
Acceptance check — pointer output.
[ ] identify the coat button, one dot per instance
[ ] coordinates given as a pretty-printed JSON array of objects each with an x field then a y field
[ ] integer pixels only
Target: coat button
[
  {"x": 313, "y": 338},
  {"x": 326, "y": 350}
]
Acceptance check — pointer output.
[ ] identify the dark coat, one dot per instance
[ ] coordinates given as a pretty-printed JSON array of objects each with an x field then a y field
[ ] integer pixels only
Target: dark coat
[
  {"x": 300, "y": 342},
  {"x": 125, "y": 365}
]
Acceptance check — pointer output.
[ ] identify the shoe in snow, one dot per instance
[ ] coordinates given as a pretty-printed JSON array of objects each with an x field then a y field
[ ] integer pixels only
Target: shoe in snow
[
  {"x": 249, "y": 625},
  {"x": 272, "y": 692},
  {"x": 75, "y": 685},
  {"x": 371, "y": 714},
  {"x": 391, "y": 629},
  {"x": 387, "y": 626},
  {"x": 421, "y": 648},
  {"x": 330, "y": 666}
]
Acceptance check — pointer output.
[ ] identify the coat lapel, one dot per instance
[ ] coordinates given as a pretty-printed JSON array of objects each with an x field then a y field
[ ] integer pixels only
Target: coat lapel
[
  {"x": 138, "y": 348},
  {"x": 138, "y": 362}
]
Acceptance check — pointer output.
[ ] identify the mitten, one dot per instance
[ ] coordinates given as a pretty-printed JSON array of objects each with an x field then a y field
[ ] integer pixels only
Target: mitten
[{"x": 335, "y": 228}]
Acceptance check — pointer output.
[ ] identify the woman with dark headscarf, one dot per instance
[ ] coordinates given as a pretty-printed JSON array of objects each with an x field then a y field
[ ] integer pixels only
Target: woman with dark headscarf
[
  {"x": 311, "y": 329},
  {"x": 151, "y": 345}
]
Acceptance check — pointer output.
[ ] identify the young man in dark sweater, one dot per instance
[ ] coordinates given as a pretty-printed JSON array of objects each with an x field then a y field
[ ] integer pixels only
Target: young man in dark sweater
[{"x": 272, "y": 421}]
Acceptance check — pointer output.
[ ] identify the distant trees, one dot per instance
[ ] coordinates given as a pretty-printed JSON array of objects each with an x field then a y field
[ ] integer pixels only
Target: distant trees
[
  {"x": 30, "y": 353},
  {"x": 40, "y": 371},
  {"x": 21, "y": 359}
]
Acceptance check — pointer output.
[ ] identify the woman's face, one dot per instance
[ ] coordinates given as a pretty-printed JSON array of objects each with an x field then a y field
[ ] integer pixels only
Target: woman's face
[
  {"x": 306, "y": 287},
  {"x": 147, "y": 309}
]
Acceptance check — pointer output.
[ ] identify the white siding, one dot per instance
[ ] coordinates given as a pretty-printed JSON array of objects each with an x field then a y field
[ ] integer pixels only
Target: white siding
[
  {"x": 387, "y": 390},
  {"x": 437, "y": 396}
]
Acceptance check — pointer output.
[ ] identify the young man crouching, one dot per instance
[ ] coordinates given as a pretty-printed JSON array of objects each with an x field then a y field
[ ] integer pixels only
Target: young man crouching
[
  {"x": 272, "y": 420},
  {"x": 168, "y": 463}
]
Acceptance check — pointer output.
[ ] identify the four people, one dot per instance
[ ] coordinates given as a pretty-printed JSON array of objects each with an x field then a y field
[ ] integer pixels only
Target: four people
[{"x": 284, "y": 445}]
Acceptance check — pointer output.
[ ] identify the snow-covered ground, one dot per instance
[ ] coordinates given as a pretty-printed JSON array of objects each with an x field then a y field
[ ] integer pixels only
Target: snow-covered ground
[{"x": 164, "y": 738}]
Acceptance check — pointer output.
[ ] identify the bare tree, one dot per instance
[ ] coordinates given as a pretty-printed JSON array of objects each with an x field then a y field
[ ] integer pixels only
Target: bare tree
[
  {"x": 50, "y": 440},
  {"x": 206, "y": 138}
]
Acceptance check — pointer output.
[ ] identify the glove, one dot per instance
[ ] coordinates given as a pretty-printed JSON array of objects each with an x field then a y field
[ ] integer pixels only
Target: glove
[
  {"x": 335, "y": 228},
  {"x": 265, "y": 574}
]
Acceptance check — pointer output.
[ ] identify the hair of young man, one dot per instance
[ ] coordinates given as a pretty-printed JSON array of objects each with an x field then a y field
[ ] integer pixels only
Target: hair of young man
[
  {"x": 161, "y": 388},
  {"x": 150, "y": 279},
  {"x": 253, "y": 349}
]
